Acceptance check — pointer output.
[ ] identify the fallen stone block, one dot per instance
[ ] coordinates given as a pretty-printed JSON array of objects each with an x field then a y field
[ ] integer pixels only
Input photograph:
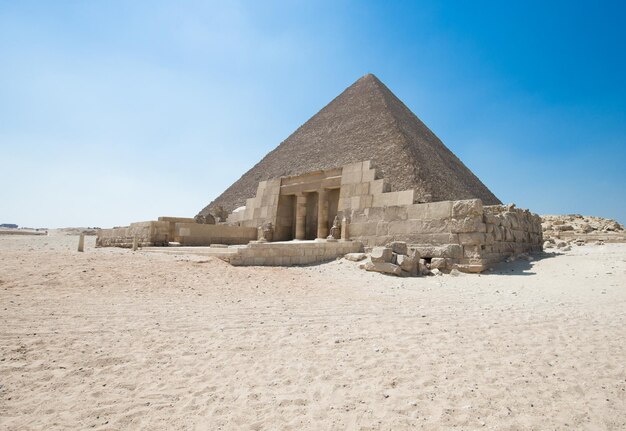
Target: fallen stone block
[
  {"x": 408, "y": 263},
  {"x": 398, "y": 247},
  {"x": 355, "y": 257},
  {"x": 384, "y": 267},
  {"x": 381, "y": 254}
]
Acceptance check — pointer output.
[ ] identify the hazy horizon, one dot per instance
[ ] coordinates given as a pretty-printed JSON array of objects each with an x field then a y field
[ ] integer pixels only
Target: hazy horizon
[{"x": 119, "y": 112}]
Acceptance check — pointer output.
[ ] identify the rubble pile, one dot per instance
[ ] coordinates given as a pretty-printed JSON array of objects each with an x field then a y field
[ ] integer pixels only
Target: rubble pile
[
  {"x": 563, "y": 231},
  {"x": 397, "y": 258}
]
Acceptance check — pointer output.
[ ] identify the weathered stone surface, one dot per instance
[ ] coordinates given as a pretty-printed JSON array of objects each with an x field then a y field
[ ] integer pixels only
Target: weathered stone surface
[
  {"x": 471, "y": 207},
  {"x": 422, "y": 268},
  {"x": 398, "y": 247},
  {"x": 474, "y": 238},
  {"x": 408, "y": 263},
  {"x": 355, "y": 257},
  {"x": 437, "y": 263},
  {"x": 448, "y": 250},
  {"x": 384, "y": 267},
  {"x": 381, "y": 254}
]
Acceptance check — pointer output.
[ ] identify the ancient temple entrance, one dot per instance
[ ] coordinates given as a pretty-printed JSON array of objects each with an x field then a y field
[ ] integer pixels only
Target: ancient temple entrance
[{"x": 307, "y": 205}]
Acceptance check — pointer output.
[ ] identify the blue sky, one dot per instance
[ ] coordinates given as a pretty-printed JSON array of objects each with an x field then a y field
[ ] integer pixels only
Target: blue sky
[{"x": 114, "y": 112}]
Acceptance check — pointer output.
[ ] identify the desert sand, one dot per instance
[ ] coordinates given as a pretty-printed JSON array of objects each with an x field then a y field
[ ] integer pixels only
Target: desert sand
[{"x": 115, "y": 339}]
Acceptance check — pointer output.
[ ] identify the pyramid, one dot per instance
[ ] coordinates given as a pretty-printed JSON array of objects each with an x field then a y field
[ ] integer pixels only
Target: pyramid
[{"x": 366, "y": 122}]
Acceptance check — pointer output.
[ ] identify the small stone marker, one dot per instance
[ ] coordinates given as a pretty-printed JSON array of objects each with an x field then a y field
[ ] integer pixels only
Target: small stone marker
[
  {"x": 81, "y": 242},
  {"x": 344, "y": 229},
  {"x": 135, "y": 241}
]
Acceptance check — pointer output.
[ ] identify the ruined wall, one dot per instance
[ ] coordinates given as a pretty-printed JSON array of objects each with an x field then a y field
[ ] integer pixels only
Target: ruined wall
[
  {"x": 361, "y": 189},
  {"x": 161, "y": 233},
  {"x": 148, "y": 233},
  {"x": 264, "y": 206},
  {"x": 509, "y": 231},
  {"x": 172, "y": 223},
  {"x": 466, "y": 233},
  {"x": 207, "y": 234}
]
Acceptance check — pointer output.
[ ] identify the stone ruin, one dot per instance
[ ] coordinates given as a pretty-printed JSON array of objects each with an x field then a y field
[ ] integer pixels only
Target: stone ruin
[
  {"x": 563, "y": 231},
  {"x": 295, "y": 220},
  {"x": 362, "y": 173}
]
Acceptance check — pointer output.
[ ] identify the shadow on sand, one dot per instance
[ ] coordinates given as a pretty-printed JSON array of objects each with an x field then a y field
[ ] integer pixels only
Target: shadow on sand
[{"x": 520, "y": 266}]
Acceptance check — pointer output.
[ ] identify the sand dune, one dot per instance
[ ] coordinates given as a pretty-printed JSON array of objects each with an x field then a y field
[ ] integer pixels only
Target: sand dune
[{"x": 111, "y": 339}]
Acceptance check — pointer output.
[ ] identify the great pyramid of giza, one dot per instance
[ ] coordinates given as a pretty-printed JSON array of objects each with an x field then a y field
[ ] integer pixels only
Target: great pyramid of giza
[{"x": 366, "y": 122}]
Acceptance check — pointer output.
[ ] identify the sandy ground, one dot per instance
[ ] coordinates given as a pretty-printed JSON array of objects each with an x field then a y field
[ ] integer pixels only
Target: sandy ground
[{"x": 111, "y": 339}]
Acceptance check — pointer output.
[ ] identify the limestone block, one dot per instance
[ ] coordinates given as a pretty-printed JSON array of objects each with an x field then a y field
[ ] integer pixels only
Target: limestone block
[
  {"x": 384, "y": 267},
  {"x": 466, "y": 208},
  {"x": 491, "y": 219},
  {"x": 468, "y": 224},
  {"x": 394, "y": 213},
  {"x": 408, "y": 263},
  {"x": 474, "y": 238},
  {"x": 439, "y": 210},
  {"x": 406, "y": 197},
  {"x": 498, "y": 232},
  {"x": 363, "y": 229},
  {"x": 377, "y": 187},
  {"x": 401, "y": 227},
  {"x": 381, "y": 254},
  {"x": 351, "y": 177},
  {"x": 398, "y": 247},
  {"x": 433, "y": 238},
  {"x": 417, "y": 211},
  {"x": 382, "y": 200},
  {"x": 374, "y": 214},
  {"x": 369, "y": 175},
  {"x": 355, "y": 257},
  {"x": 454, "y": 251}
]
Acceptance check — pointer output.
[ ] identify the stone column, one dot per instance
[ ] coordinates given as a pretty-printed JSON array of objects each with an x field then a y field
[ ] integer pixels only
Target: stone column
[
  {"x": 344, "y": 229},
  {"x": 322, "y": 215},
  {"x": 301, "y": 216}
]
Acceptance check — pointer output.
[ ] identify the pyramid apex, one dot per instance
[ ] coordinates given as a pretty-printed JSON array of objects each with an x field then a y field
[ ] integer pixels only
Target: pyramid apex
[{"x": 368, "y": 77}]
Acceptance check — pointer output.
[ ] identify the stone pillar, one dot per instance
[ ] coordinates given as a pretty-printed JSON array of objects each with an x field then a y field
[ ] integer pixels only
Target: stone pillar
[
  {"x": 300, "y": 216},
  {"x": 322, "y": 214},
  {"x": 81, "y": 242},
  {"x": 344, "y": 229}
]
